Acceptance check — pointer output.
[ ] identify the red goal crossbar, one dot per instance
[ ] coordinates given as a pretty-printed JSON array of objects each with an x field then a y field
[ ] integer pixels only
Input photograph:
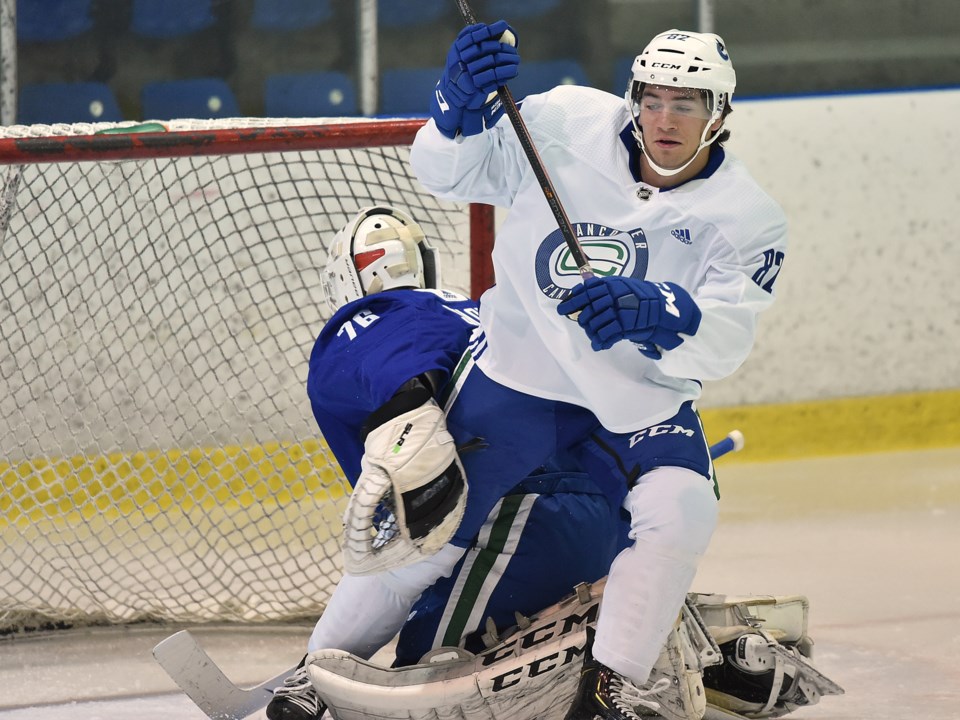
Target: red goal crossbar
[{"x": 154, "y": 141}]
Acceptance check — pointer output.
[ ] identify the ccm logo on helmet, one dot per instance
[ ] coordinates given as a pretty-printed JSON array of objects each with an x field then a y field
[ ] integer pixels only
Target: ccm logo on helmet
[{"x": 665, "y": 66}]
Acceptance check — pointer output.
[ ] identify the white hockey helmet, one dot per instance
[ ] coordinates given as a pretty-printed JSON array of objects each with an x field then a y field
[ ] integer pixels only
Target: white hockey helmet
[
  {"x": 381, "y": 248},
  {"x": 682, "y": 59}
]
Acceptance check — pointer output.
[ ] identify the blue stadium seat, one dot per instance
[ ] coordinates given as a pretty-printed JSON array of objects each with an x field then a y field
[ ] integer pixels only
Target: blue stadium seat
[
  {"x": 407, "y": 13},
  {"x": 408, "y": 91},
  {"x": 165, "y": 19},
  {"x": 289, "y": 15},
  {"x": 540, "y": 76},
  {"x": 67, "y": 103},
  {"x": 52, "y": 20},
  {"x": 196, "y": 98},
  {"x": 317, "y": 94},
  {"x": 511, "y": 10}
]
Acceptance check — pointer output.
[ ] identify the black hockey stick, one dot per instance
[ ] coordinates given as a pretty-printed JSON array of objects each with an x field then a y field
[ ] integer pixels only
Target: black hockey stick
[{"x": 533, "y": 157}]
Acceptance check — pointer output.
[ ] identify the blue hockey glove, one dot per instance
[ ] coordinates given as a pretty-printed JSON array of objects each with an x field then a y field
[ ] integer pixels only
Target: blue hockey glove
[
  {"x": 652, "y": 315},
  {"x": 481, "y": 59}
]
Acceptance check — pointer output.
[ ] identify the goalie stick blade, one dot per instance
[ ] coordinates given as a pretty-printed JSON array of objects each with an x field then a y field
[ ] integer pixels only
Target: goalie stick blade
[{"x": 205, "y": 684}]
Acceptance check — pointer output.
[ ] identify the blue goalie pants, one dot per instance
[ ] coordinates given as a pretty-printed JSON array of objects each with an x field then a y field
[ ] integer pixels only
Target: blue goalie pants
[
  {"x": 551, "y": 532},
  {"x": 531, "y": 538}
]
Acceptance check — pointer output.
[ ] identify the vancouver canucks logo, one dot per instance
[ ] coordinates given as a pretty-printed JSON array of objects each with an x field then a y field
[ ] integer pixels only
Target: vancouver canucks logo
[{"x": 611, "y": 251}]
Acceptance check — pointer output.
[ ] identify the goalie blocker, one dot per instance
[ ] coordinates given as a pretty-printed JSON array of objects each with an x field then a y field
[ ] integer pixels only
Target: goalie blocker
[
  {"x": 532, "y": 673},
  {"x": 411, "y": 493}
]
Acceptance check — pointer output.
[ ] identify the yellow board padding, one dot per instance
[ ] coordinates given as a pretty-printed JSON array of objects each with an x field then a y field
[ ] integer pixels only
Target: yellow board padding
[
  {"x": 842, "y": 426},
  {"x": 82, "y": 488}
]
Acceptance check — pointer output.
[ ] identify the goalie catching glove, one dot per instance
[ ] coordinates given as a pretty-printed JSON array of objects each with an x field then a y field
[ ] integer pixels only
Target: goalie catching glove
[
  {"x": 481, "y": 59},
  {"x": 411, "y": 493}
]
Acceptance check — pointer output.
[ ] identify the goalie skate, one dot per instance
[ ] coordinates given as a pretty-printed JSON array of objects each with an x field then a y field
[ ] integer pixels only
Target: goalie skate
[{"x": 767, "y": 671}]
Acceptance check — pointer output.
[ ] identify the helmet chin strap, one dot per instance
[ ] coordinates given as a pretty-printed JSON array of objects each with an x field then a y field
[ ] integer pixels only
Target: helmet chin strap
[
  {"x": 720, "y": 102},
  {"x": 665, "y": 172}
]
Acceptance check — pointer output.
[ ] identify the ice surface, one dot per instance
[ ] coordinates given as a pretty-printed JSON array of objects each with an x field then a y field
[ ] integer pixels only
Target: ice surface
[{"x": 872, "y": 541}]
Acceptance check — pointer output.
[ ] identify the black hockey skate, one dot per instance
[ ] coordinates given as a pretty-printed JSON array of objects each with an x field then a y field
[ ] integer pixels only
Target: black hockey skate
[
  {"x": 296, "y": 699},
  {"x": 604, "y": 694}
]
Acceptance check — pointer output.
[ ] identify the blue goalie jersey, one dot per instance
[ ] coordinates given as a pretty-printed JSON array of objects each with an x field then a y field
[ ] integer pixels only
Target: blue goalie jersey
[
  {"x": 545, "y": 535},
  {"x": 371, "y": 347}
]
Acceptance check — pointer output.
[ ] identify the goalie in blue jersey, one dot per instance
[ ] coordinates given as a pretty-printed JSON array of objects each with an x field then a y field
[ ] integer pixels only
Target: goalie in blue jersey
[{"x": 390, "y": 355}]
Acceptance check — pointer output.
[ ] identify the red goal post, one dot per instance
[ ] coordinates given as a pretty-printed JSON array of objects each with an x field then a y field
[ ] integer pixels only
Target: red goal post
[{"x": 159, "y": 299}]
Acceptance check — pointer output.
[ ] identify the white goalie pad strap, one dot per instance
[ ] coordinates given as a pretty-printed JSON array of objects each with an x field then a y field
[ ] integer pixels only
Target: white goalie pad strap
[
  {"x": 411, "y": 494},
  {"x": 809, "y": 685},
  {"x": 685, "y": 697},
  {"x": 699, "y": 641}
]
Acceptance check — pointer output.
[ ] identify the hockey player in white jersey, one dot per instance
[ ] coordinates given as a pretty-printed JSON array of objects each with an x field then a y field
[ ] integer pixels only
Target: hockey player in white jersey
[
  {"x": 685, "y": 249},
  {"x": 551, "y": 531},
  {"x": 389, "y": 350}
]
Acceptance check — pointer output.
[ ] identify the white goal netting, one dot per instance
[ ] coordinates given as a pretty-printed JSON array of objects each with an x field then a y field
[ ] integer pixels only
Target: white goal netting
[{"x": 158, "y": 456}]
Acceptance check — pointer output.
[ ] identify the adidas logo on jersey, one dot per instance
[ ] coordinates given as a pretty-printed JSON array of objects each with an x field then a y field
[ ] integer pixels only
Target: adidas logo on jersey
[{"x": 683, "y": 235}]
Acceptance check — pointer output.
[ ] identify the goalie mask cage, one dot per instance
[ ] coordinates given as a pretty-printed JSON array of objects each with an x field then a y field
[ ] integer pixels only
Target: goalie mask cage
[{"x": 159, "y": 298}]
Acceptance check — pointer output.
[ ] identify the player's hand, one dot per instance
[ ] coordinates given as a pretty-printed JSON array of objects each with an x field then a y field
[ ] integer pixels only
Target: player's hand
[
  {"x": 481, "y": 59},
  {"x": 652, "y": 315}
]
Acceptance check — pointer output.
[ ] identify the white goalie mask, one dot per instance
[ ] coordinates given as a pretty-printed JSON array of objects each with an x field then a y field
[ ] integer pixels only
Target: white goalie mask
[
  {"x": 682, "y": 59},
  {"x": 381, "y": 248}
]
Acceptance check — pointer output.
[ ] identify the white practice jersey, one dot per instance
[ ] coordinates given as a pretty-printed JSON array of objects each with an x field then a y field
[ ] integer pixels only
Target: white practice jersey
[{"x": 719, "y": 236}]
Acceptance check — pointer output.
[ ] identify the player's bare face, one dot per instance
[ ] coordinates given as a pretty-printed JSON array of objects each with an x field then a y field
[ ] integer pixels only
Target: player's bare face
[{"x": 672, "y": 121}]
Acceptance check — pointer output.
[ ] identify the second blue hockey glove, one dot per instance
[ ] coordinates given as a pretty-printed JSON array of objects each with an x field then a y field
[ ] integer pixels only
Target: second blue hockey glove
[
  {"x": 481, "y": 59},
  {"x": 652, "y": 315}
]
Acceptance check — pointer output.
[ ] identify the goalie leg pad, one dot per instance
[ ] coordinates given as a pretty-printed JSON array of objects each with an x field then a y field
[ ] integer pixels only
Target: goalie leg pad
[
  {"x": 532, "y": 674},
  {"x": 760, "y": 678},
  {"x": 679, "y": 663},
  {"x": 767, "y": 668},
  {"x": 410, "y": 496}
]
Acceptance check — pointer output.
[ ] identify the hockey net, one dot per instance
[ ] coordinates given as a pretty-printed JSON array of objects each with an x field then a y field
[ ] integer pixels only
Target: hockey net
[{"x": 159, "y": 300}]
